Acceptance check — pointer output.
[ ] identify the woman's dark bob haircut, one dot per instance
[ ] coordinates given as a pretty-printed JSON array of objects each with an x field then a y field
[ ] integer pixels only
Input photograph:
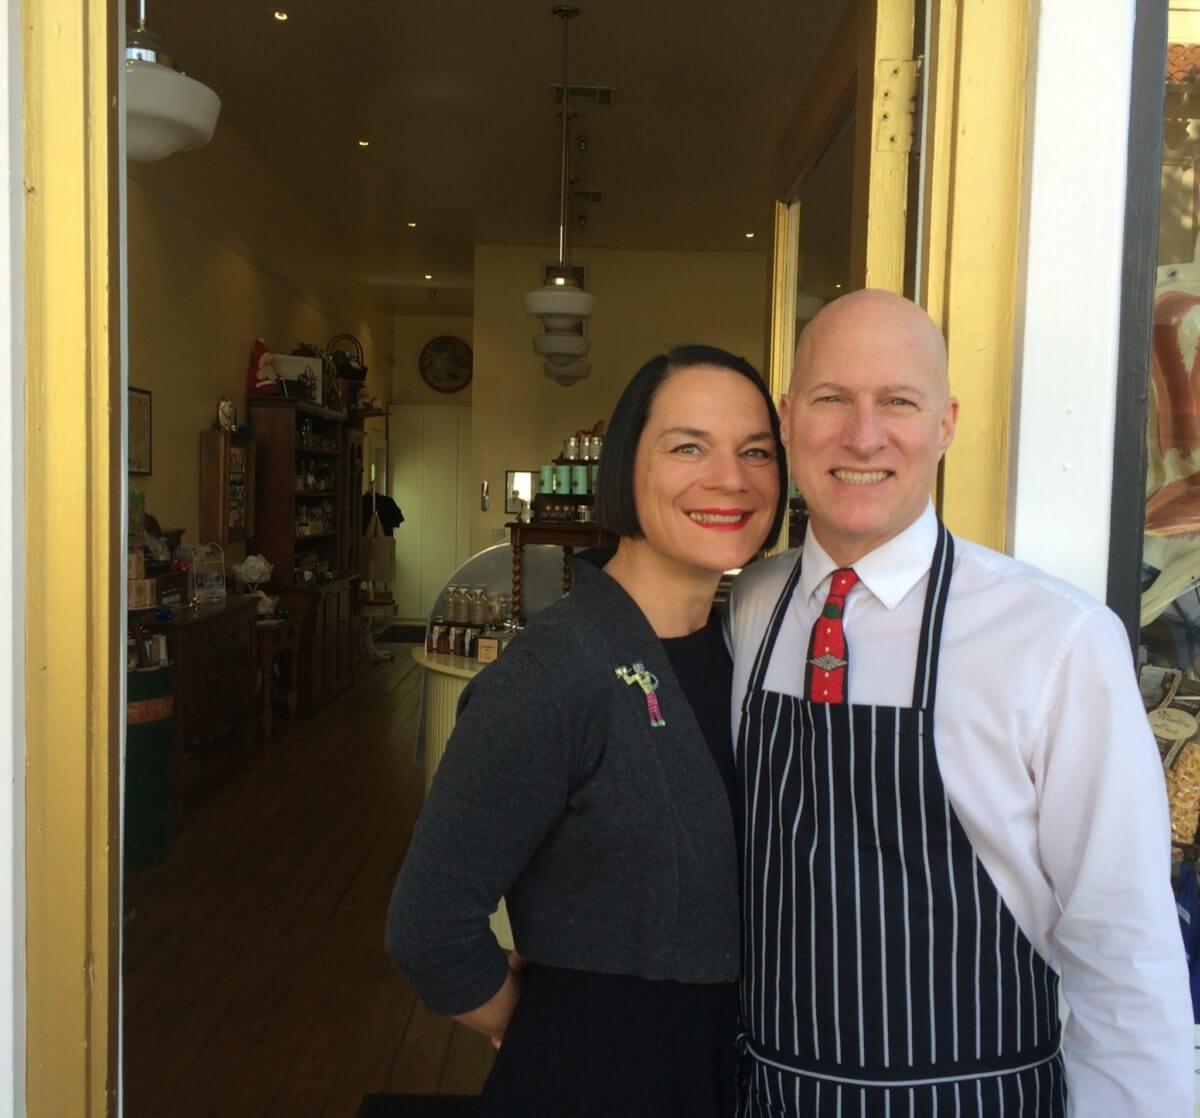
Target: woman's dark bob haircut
[{"x": 614, "y": 504}]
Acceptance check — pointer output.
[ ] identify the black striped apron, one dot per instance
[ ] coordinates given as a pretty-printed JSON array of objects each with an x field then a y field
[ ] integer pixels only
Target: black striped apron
[{"x": 883, "y": 974}]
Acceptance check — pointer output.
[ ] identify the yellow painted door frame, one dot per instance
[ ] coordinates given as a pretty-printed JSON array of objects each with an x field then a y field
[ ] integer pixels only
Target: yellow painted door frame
[
  {"x": 73, "y": 560},
  {"x": 868, "y": 68},
  {"x": 979, "y": 61},
  {"x": 975, "y": 77}
]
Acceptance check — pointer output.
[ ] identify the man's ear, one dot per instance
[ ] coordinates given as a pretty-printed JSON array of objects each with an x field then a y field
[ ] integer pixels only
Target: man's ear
[
  {"x": 785, "y": 411},
  {"x": 949, "y": 422}
]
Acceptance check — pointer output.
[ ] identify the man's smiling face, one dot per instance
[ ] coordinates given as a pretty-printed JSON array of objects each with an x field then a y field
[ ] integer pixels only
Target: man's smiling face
[{"x": 866, "y": 420}]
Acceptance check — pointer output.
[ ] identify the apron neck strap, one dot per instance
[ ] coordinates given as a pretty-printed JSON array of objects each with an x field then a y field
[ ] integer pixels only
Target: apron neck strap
[
  {"x": 936, "y": 595},
  {"x": 758, "y": 673}
]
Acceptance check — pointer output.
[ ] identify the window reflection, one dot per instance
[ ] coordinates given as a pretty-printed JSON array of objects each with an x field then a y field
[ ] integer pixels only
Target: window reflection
[
  {"x": 1169, "y": 645},
  {"x": 824, "y": 201}
]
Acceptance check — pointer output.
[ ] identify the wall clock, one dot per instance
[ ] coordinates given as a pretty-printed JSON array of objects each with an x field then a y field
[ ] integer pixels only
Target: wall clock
[{"x": 445, "y": 364}]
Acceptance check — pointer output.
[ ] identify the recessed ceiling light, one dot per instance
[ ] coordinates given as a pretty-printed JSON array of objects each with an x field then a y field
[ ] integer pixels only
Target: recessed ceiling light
[
  {"x": 429, "y": 275},
  {"x": 749, "y": 236},
  {"x": 411, "y": 224},
  {"x": 364, "y": 143},
  {"x": 280, "y": 15}
]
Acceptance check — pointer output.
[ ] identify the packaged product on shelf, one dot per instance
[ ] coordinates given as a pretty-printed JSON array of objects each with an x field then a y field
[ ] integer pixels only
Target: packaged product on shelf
[
  {"x": 1158, "y": 685},
  {"x": 1176, "y": 728},
  {"x": 434, "y": 635}
]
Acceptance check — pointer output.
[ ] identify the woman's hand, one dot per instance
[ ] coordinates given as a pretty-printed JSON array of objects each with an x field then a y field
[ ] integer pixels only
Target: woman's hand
[{"x": 493, "y": 1016}]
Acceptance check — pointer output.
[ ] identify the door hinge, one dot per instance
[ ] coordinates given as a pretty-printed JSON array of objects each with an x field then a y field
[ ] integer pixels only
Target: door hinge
[{"x": 897, "y": 96}]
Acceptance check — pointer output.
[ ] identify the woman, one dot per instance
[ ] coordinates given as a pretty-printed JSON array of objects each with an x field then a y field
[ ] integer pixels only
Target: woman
[{"x": 590, "y": 777}]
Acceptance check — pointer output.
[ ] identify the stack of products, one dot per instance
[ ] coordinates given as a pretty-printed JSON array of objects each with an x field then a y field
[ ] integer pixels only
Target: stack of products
[
  {"x": 1175, "y": 722},
  {"x": 566, "y": 485},
  {"x": 472, "y": 624}
]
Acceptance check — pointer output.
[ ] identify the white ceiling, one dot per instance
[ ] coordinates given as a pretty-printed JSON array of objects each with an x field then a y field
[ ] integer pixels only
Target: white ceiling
[{"x": 456, "y": 98}]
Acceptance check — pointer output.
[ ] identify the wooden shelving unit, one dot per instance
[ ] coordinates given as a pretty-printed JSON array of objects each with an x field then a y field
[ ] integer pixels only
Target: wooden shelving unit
[
  {"x": 352, "y": 505},
  {"x": 227, "y": 486},
  {"x": 296, "y": 439}
]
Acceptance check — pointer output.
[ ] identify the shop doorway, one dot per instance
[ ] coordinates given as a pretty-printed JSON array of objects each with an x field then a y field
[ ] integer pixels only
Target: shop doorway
[{"x": 857, "y": 46}]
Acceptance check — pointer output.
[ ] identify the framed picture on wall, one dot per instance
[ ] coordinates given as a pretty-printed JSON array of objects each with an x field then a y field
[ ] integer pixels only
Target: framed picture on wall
[{"x": 139, "y": 431}]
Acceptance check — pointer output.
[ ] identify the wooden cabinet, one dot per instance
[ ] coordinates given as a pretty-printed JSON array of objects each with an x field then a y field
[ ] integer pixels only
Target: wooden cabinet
[
  {"x": 326, "y": 616},
  {"x": 227, "y": 486},
  {"x": 213, "y": 652}
]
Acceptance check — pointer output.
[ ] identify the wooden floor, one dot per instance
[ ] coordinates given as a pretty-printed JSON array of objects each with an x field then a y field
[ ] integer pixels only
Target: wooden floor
[{"x": 255, "y": 977}]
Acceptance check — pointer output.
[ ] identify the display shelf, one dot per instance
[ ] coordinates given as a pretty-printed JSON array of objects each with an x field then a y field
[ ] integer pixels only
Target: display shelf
[
  {"x": 324, "y": 610},
  {"x": 226, "y": 486},
  {"x": 302, "y": 407}
]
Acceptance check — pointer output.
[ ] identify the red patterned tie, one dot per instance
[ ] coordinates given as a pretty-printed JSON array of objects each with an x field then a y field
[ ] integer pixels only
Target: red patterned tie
[{"x": 825, "y": 677}]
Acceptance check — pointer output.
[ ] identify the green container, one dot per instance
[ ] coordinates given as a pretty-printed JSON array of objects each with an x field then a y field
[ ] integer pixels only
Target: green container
[{"x": 150, "y": 726}]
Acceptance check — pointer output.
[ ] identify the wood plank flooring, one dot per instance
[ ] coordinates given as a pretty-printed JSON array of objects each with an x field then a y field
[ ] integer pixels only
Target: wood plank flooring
[{"x": 255, "y": 980}]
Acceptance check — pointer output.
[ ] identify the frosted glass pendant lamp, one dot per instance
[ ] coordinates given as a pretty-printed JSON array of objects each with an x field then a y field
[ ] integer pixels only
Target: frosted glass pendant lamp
[
  {"x": 569, "y": 374},
  {"x": 166, "y": 111},
  {"x": 561, "y": 304}
]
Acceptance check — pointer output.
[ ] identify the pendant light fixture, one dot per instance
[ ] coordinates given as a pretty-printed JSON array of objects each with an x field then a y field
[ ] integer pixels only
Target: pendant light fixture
[
  {"x": 165, "y": 110},
  {"x": 562, "y": 305}
]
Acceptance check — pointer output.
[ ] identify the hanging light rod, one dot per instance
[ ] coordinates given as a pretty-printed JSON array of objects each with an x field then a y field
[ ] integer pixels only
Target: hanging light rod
[
  {"x": 565, "y": 12},
  {"x": 560, "y": 304}
]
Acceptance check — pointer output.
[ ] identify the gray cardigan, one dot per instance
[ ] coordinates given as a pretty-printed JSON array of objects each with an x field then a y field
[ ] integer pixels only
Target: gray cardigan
[{"x": 611, "y": 840}]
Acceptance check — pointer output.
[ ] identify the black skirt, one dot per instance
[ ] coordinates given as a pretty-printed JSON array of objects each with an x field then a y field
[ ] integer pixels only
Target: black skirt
[{"x": 588, "y": 1045}]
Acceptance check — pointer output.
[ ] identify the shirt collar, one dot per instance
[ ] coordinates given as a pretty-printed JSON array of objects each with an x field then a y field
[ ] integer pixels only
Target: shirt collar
[{"x": 889, "y": 572}]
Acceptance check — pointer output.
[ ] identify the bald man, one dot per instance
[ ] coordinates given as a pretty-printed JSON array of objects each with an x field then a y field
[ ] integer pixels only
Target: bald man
[{"x": 951, "y": 803}]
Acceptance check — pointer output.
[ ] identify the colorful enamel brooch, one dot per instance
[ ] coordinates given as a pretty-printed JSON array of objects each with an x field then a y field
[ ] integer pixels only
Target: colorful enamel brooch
[{"x": 648, "y": 682}]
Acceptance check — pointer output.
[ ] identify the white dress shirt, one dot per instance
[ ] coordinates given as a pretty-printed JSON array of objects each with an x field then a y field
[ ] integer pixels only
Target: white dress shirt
[{"x": 1049, "y": 763}]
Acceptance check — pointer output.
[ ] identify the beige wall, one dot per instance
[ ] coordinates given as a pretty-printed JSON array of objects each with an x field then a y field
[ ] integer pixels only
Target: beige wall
[
  {"x": 411, "y": 334},
  {"x": 212, "y": 267},
  {"x": 645, "y": 303}
]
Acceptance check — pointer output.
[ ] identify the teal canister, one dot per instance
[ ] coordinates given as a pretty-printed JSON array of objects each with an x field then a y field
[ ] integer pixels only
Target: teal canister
[
  {"x": 579, "y": 480},
  {"x": 562, "y": 478},
  {"x": 546, "y": 479}
]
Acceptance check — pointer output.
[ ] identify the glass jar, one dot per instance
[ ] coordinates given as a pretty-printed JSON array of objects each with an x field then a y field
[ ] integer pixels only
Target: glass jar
[
  {"x": 477, "y": 607},
  {"x": 571, "y": 449},
  {"x": 451, "y": 605}
]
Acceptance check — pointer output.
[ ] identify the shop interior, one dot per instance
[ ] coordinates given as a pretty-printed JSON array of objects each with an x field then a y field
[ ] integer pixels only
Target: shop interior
[{"x": 327, "y": 332}]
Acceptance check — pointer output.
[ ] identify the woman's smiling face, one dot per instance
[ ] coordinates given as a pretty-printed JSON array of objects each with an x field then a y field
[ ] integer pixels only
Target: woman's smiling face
[{"x": 706, "y": 483}]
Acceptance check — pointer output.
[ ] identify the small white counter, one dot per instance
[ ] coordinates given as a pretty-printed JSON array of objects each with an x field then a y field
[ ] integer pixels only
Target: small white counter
[{"x": 446, "y": 677}]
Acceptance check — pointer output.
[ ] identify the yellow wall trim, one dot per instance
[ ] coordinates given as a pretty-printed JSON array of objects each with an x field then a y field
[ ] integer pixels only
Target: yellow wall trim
[
  {"x": 877, "y": 231},
  {"x": 73, "y": 554},
  {"x": 971, "y": 240}
]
